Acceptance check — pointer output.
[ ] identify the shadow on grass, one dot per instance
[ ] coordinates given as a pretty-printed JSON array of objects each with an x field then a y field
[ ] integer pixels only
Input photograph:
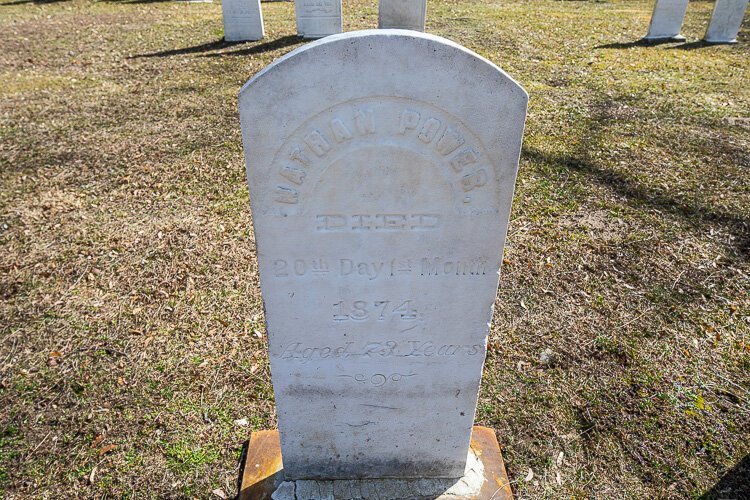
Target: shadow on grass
[
  {"x": 197, "y": 49},
  {"x": 692, "y": 211},
  {"x": 637, "y": 43},
  {"x": 223, "y": 44},
  {"x": 260, "y": 48},
  {"x": 734, "y": 484},
  {"x": 676, "y": 44},
  {"x": 34, "y": 2},
  {"x": 735, "y": 225},
  {"x": 700, "y": 44}
]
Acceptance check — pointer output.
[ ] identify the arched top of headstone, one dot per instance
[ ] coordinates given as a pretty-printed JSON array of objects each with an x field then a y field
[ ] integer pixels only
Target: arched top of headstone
[
  {"x": 364, "y": 79},
  {"x": 366, "y": 42}
]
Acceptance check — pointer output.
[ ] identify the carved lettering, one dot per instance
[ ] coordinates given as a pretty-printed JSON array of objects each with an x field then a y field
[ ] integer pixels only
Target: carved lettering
[
  {"x": 420, "y": 128},
  {"x": 317, "y": 143},
  {"x": 330, "y": 222},
  {"x": 298, "y": 156},
  {"x": 475, "y": 180},
  {"x": 285, "y": 194},
  {"x": 437, "y": 267},
  {"x": 387, "y": 349},
  {"x": 409, "y": 120},
  {"x": 377, "y": 222},
  {"x": 318, "y": 7},
  {"x": 451, "y": 140},
  {"x": 429, "y": 130},
  {"x": 379, "y": 310},
  {"x": 340, "y": 132},
  {"x": 376, "y": 269},
  {"x": 464, "y": 158},
  {"x": 295, "y": 175},
  {"x": 364, "y": 120},
  {"x": 379, "y": 379}
]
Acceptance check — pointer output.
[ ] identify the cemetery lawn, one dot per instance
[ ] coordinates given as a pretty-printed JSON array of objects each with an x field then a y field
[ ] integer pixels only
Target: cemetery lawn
[{"x": 132, "y": 348}]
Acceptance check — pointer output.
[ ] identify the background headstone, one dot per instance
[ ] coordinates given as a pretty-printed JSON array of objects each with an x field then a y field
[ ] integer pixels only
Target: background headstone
[
  {"x": 243, "y": 20},
  {"x": 402, "y": 14},
  {"x": 726, "y": 21},
  {"x": 318, "y": 18},
  {"x": 666, "y": 20},
  {"x": 381, "y": 167}
]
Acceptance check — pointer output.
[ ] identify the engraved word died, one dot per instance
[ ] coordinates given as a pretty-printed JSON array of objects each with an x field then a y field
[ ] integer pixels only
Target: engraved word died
[{"x": 381, "y": 167}]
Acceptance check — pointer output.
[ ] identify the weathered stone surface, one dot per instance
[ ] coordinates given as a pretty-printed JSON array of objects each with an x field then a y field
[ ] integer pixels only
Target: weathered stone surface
[
  {"x": 402, "y": 14},
  {"x": 285, "y": 491},
  {"x": 726, "y": 21},
  {"x": 467, "y": 486},
  {"x": 318, "y": 18},
  {"x": 243, "y": 20},
  {"x": 381, "y": 167},
  {"x": 307, "y": 490},
  {"x": 666, "y": 20}
]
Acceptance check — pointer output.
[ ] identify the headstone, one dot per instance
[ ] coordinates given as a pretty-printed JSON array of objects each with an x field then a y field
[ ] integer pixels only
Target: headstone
[
  {"x": 402, "y": 14},
  {"x": 318, "y": 18},
  {"x": 666, "y": 20},
  {"x": 381, "y": 167},
  {"x": 726, "y": 21},
  {"x": 243, "y": 20}
]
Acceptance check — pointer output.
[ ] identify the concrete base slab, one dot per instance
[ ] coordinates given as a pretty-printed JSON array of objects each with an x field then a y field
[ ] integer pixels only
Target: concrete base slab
[
  {"x": 262, "y": 477},
  {"x": 721, "y": 42},
  {"x": 668, "y": 39}
]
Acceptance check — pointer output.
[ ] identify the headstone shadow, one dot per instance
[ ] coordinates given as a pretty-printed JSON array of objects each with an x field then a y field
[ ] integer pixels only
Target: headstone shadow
[
  {"x": 635, "y": 43},
  {"x": 697, "y": 214},
  {"x": 260, "y": 48},
  {"x": 223, "y": 44},
  {"x": 734, "y": 224},
  {"x": 675, "y": 44},
  {"x": 734, "y": 484},
  {"x": 699, "y": 44},
  {"x": 34, "y": 2}
]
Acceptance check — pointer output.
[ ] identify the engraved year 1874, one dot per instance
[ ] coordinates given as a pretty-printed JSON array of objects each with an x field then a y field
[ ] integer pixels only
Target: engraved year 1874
[{"x": 379, "y": 310}]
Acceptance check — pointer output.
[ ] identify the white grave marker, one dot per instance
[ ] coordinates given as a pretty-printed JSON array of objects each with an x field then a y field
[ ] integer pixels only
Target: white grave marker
[
  {"x": 726, "y": 21},
  {"x": 318, "y": 18},
  {"x": 402, "y": 14},
  {"x": 666, "y": 20},
  {"x": 381, "y": 167},
  {"x": 243, "y": 20}
]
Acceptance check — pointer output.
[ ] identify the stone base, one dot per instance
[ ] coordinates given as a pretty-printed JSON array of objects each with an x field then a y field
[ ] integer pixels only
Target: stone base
[
  {"x": 721, "y": 42},
  {"x": 237, "y": 39},
  {"x": 262, "y": 477},
  {"x": 663, "y": 39}
]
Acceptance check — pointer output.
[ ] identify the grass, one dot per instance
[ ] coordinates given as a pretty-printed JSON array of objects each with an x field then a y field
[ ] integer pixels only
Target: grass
[{"x": 129, "y": 304}]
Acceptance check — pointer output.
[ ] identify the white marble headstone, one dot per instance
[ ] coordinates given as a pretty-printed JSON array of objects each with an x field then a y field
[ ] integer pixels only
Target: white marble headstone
[
  {"x": 726, "y": 21},
  {"x": 666, "y": 20},
  {"x": 243, "y": 20},
  {"x": 318, "y": 18},
  {"x": 381, "y": 167},
  {"x": 402, "y": 14}
]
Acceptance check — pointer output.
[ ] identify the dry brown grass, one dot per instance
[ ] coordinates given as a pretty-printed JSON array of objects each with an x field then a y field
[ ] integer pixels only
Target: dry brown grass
[{"x": 129, "y": 303}]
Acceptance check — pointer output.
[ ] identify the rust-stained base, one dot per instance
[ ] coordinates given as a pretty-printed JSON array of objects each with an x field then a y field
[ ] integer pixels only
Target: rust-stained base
[
  {"x": 485, "y": 446},
  {"x": 261, "y": 470},
  {"x": 260, "y": 466}
]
